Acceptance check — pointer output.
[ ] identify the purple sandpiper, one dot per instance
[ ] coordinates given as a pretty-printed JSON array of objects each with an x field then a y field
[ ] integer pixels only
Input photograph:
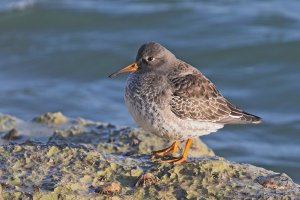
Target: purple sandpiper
[{"x": 174, "y": 100}]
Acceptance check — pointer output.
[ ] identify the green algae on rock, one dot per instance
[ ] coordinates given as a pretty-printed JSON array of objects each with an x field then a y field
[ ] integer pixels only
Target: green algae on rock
[
  {"x": 94, "y": 160},
  {"x": 64, "y": 171}
]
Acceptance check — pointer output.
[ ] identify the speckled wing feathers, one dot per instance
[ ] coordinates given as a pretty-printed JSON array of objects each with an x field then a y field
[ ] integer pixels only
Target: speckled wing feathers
[{"x": 195, "y": 97}]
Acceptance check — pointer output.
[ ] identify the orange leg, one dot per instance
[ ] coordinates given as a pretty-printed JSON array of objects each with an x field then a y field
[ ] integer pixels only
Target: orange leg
[
  {"x": 174, "y": 146},
  {"x": 184, "y": 155}
]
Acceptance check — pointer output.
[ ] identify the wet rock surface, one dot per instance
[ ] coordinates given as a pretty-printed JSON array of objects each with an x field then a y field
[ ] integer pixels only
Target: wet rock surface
[
  {"x": 84, "y": 159},
  {"x": 13, "y": 134}
]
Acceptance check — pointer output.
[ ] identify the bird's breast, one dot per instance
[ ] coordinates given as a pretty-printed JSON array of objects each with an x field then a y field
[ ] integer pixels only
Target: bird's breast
[{"x": 145, "y": 100}]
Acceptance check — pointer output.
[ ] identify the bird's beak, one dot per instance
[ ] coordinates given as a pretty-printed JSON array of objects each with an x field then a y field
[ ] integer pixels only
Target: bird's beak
[{"x": 130, "y": 68}]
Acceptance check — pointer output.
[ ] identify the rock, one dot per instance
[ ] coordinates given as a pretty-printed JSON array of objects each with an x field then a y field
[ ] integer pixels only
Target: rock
[
  {"x": 113, "y": 188},
  {"x": 7, "y": 122},
  {"x": 108, "y": 138},
  {"x": 147, "y": 180},
  {"x": 75, "y": 170},
  {"x": 52, "y": 118},
  {"x": 93, "y": 160},
  {"x": 137, "y": 141},
  {"x": 1, "y": 197},
  {"x": 276, "y": 181},
  {"x": 13, "y": 134}
]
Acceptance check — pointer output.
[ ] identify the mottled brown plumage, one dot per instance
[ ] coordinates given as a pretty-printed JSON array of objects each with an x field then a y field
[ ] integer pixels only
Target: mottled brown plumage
[{"x": 195, "y": 97}]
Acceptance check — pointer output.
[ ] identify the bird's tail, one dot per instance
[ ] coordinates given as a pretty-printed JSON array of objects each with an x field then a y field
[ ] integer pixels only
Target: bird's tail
[
  {"x": 238, "y": 116},
  {"x": 251, "y": 118}
]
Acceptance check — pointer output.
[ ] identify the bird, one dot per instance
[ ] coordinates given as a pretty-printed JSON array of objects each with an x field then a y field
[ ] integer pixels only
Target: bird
[{"x": 172, "y": 99}]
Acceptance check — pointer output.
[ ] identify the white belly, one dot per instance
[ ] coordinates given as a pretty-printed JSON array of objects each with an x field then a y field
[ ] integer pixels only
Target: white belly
[{"x": 168, "y": 125}]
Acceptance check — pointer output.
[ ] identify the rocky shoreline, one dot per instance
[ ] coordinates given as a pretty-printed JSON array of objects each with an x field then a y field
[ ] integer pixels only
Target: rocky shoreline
[{"x": 81, "y": 159}]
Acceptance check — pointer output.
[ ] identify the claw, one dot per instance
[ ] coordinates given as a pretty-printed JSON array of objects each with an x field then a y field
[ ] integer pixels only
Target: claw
[
  {"x": 160, "y": 153},
  {"x": 177, "y": 160},
  {"x": 182, "y": 158}
]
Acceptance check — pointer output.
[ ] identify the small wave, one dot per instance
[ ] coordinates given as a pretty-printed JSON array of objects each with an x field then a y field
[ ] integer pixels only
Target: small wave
[
  {"x": 116, "y": 7},
  {"x": 16, "y": 5}
]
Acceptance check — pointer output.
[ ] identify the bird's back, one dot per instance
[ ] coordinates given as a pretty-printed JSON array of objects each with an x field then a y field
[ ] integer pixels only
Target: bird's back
[{"x": 195, "y": 97}]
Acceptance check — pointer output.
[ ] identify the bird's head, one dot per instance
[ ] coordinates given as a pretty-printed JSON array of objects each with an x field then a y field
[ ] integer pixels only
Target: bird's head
[{"x": 150, "y": 57}]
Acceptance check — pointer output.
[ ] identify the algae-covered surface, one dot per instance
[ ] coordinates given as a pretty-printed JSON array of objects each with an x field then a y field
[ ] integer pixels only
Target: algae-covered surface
[{"x": 83, "y": 159}]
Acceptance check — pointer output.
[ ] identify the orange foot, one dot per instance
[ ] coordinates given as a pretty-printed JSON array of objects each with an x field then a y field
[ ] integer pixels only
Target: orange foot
[
  {"x": 184, "y": 155},
  {"x": 163, "y": 152}
]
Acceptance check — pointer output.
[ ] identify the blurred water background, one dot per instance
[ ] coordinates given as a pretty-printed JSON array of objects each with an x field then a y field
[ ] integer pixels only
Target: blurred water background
[{"x": 55, "y": 55}]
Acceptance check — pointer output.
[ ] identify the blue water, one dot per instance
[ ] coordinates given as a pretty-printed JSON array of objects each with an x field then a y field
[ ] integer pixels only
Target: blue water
[{"x": 55, "y": 55}]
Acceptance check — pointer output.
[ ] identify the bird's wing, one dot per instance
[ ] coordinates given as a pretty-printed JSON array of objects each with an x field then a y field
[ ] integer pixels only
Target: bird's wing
[{"x": 197, "y": 98}]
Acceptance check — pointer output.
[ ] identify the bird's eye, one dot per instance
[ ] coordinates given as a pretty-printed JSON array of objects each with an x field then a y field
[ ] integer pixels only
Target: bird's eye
[{"x": 150, "y": 58}]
